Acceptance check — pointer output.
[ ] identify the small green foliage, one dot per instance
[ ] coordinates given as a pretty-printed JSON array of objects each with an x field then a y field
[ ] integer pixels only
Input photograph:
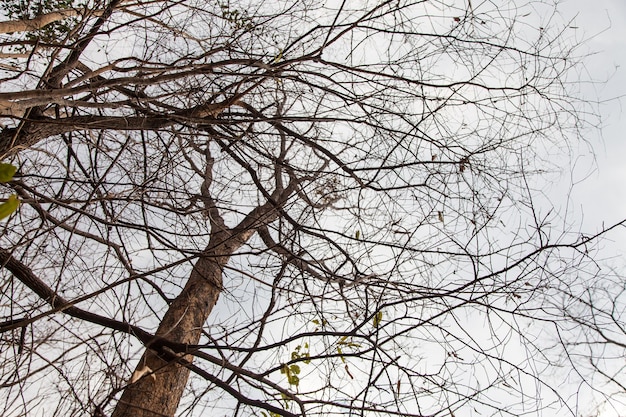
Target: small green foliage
[
  {"x": 317, "y": 322},
  {"x": 378, "y": 318},
  {"x": 6, "y": 172},
  {"x": 340, "y": 352},
  {"x": 344, "y": 342},
  {"x": 291, "y": 371},
  {"x": 301, "y": 352},
  {"x": 271, "y": 414},
  {"x": 7, "y": 208},
  {"x": 297, "y": 354},
  {"x": 278, "y": 57},
  {"x": 238, "y": 20}
]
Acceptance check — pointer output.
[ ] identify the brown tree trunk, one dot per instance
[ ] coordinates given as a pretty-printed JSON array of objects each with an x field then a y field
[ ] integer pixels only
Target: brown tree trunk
[{"x": 158, "y": 391}]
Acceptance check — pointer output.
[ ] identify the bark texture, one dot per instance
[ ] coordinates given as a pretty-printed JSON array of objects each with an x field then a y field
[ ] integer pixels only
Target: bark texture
[
  {"x": 158, "y": 391},
  {"x": 12, "y": 140},
  {"x": 36, "y": 23},
  {"x": 161, "y": 386}
]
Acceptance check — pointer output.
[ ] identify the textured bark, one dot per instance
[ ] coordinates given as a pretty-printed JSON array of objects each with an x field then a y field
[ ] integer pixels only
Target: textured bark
[
  {"x": 159, "y": 390},
  {"x": 39, "y": 127},
  {"x": 157, "y": 393},
  {"x": 13, "y": 140},
  {"x": 36, "y": 23}
]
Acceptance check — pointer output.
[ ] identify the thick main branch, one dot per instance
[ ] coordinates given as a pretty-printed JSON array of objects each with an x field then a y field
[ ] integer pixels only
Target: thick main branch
[{"x": 160, "y": 389}]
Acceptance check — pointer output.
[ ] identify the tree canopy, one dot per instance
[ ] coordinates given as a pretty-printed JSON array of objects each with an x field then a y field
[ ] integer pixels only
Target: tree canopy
[{"x": 298, "y": 208}]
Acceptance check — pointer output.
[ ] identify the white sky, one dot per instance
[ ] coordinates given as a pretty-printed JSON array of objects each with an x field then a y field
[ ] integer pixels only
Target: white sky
[{"x": 601, "y": 198}]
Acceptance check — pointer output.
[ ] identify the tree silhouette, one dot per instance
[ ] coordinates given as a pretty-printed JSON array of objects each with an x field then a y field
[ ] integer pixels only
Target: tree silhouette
[{"x": 299, "y": 209}]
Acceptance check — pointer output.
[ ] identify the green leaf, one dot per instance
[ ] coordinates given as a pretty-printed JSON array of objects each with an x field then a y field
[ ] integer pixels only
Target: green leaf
[
  {"x": 278, "y": 57},
  {"x": 340, "y": 352},
  {"x": 6, "y": 209},
  {"x": 290, "y": 371},
  {"x": 6, "y": 172},
  {"x": 377, "y": 319},
  {"x": 357, "y": 235}
]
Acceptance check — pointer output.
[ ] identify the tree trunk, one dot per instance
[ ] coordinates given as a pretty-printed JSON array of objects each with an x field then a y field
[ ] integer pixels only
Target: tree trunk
[{"x": 158, "y": 391}]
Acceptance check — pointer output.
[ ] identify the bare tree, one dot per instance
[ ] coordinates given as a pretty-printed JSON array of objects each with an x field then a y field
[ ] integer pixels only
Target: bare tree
[{"x": 299, "y": 209}]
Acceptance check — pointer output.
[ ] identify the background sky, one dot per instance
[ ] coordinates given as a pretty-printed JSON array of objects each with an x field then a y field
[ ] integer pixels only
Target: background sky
[{"x": 602, "y": 196}]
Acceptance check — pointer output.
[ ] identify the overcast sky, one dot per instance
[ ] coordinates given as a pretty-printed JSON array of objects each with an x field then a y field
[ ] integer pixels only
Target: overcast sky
[{"x": 602, "y": 196}]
